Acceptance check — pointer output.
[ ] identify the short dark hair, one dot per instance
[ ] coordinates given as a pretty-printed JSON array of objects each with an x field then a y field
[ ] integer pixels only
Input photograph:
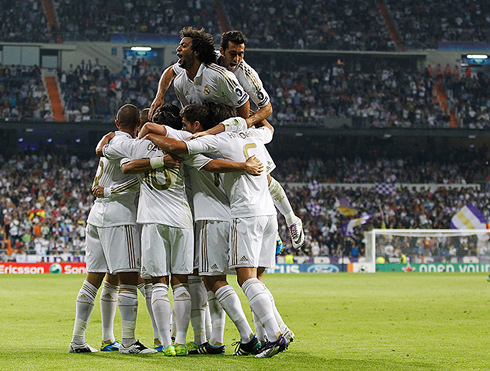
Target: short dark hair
[
  {"x": 196, "y": 112},
  {"x": 144, "y": 115},
  {"x": 202, "y": 44},
  {"x": 168, "y": 114},
  {"x": 219, "y": 113},
  {"x": 236, "y": 37},
  {"x": 128, "y": 117}
]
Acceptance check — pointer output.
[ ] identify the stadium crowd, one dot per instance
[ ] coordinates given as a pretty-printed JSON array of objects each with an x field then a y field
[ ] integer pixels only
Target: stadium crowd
[
  {"x": 423, "y": 24},
  {"x": 291, "y": 24},
  {"x": 45, "y": 199},
  {"x": 389, "y": 97}
]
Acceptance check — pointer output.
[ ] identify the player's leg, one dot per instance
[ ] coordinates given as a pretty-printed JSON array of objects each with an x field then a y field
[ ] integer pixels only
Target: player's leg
[
  {"x": 122, "y": 248},
  {"x": 97, "y": 268},
  {"x": 84, "y": 306},
  {"x": 108, "y": 305},
  {"x": 256, "y": 240},
  {"x": 147, "y": 292},
  {"x": 198, "y": 309},
  {"x": 182, "y": 311},
  {"x": 281, "y": 202},
  {"x": 286, "y": 331},
  {"x": 181, "y": 259},
  {"x": 161, "y": 307}
]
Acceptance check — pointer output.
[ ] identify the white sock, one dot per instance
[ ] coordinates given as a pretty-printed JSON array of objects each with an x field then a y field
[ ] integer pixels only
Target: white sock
[
  {"x": 279, "y": 320},
  {"x": 209, "y": 321},
  {"x": 160, "y": 304},
  {"x": 173, "y": 330},
  {"x": 261, "y": 305},
  {"x": 148, "y": 293},
  {"x": 230, "y": 302},
  {"x": 198, "y": 311},
  {"x": 108, "y": 305},
  {"x": 281, "y": 201},
  {"x": 218, "y": 317},
  {"x": 128, "y": 306},
  {"x": 85, "y": 305},
  {"x": 182, "y": 312},
  {"x": 259, "y": 329}
]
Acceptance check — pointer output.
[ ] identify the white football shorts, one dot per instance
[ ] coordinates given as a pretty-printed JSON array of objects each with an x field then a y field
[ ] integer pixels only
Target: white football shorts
[
  {"x": 213, "y": 242},
  {"x": 166, "y": 250},
  {"x": 113, "y": 249},
  {"x": 253, "y": 241}
]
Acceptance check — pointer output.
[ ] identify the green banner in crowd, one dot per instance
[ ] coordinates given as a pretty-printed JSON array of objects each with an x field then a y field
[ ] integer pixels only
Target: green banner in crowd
[{"x": 435, "y": 267}]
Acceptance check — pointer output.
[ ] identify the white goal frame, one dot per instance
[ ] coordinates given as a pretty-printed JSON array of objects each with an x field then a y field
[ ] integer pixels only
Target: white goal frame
[{"x": 370, "y": 237}]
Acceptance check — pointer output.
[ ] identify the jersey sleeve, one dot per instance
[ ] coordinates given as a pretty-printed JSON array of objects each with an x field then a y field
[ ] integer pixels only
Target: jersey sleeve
[
  {"x": 131, "y": 186},
  {"x": 117, "y": 151},
  {"x": 177, "y": 134},
  {"x": 208, "y": 143},
  {"x": 252, "y": 84},
  {"x": 232, "y": 89},
  {"x": 234, "y": 124}
]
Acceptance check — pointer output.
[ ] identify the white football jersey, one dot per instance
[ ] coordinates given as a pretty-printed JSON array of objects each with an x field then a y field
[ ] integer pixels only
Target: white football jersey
[
  {"x": 247, "y": 77},
  {"x": 249, "y": 195},
  {"x": 212, "y": 83},
  {"x": 162, "y": 196},
  {"x": 118, "y": 209},
  {"x": 210, "y": 201}
]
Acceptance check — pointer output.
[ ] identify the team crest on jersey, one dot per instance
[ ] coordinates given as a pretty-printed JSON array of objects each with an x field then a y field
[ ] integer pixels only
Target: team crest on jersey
[{"x": 207, "y": 90}]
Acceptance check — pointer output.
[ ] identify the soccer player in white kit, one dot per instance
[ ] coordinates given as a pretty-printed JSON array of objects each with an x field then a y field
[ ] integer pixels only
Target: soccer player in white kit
[
  {"x": 167, "y": 232},
  {"x": 212, "y": 218},
  {"x": 254, "y": 225},
  {"x": 113, "y": 244},
  {"x": 230, "y": 56}
]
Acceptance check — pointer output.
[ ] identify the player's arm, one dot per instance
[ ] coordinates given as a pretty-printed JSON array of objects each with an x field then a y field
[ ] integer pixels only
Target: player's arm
[
  {"x": 251, "y": 166},
  {"x": 260, "y": 115},
  {"x": 244, "y": 110},
  {"x": 144, "y": 164},
  {"x": 266, "y": 124},
  {"x": 165, "y": 80},
  {"x": 167, "y": 144},
  {"x": 104, "y": 141},
  {"x": 151, "y": 127},
  {"x": 131, "y": 186}
]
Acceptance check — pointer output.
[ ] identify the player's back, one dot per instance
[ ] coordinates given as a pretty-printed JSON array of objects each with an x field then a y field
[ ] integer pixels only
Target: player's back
[{"x": 248, "y": 194}]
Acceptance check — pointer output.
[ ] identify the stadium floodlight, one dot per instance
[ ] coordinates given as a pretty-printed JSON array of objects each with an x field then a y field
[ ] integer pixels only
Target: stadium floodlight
[
  {"x": 477, "y": 56},
  {"x": 141, "y": 48}
]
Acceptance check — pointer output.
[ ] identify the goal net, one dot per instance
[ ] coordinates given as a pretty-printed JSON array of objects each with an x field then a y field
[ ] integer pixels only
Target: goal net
[{"x": 427, "y": 246}]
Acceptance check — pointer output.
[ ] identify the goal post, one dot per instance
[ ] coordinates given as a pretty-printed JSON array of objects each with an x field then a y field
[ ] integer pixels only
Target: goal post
[{"x": 427, "y": 245}]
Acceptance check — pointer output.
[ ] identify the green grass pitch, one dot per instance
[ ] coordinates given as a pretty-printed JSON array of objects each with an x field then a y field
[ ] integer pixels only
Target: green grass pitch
[{"x": 382, "y": 321}]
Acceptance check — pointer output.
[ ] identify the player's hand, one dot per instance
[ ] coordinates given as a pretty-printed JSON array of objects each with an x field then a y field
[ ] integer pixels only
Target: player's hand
[
  {"x": 198, "y": 135},
  {"x": 254, "y": 166},
  {"x": 172, "y": 161},
  {"x": 157, "y": 102},
  {"x": 98, "y": 191},
  {"x": 109, "y": 136}
]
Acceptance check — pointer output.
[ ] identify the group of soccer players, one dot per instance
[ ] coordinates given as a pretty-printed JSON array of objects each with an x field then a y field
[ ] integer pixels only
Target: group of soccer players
[{"x": 204, "y": 212}]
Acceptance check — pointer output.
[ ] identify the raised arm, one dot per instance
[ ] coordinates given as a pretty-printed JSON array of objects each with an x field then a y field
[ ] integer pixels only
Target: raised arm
[
  {"x": 105, "y": 140},
  {"x": 151, "y": 127},
  {"x": 163, "y": 85},
  {"x": 260, "y": 115},
  {"x": 244, "y": 110}
]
